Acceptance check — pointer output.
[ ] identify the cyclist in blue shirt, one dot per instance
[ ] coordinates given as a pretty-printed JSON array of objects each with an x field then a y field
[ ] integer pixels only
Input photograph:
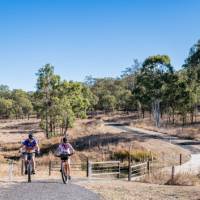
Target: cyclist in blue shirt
[{"x": 30, "y": 145}]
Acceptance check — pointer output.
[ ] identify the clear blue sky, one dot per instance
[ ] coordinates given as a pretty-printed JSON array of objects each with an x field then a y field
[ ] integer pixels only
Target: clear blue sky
[{"x": 91, "y": 37}]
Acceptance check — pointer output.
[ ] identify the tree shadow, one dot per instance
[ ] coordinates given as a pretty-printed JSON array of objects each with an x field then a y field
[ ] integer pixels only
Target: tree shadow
[
  {"x": 24, "y": 126},
  {"x": 97, "y": 140}
]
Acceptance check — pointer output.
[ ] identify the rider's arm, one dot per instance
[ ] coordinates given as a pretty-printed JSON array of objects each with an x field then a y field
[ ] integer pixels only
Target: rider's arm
[
  {"x": 37, "y": 148},
  {"x": 22, "y": 147},
  {"x": 58, "y": 150},
  {"x": 72, "y": 151}
]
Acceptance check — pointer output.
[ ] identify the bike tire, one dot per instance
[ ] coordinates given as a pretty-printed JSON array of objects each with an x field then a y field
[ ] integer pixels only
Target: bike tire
[
  {"x": 63, "y": 174},
  {"x": 29, "y": 172}
]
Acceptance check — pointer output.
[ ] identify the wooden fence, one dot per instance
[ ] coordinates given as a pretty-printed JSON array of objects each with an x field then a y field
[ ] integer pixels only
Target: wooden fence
[
  {"x": 55, "y": 166},
  {"x": 136, "y": 170},
  {"x": 103, "y": 168},
  {"x": 96, "y": 169}
]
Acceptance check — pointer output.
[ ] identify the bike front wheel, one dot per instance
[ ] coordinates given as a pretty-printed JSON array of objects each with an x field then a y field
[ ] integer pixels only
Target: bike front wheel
[{"x": 29, "y": 170}]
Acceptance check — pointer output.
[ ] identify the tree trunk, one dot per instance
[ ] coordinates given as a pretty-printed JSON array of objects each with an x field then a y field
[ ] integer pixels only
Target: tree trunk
[
  {"x": 196, "y": 111},
  {"x": 66, "y": 127},
  {"x": 192, "y": 117},
  {"x": 184, "y": 120},
  {"x": 156, "y": 112},
  {"x": 51, "y": 126},
  {"x": 143, "y": 113}
]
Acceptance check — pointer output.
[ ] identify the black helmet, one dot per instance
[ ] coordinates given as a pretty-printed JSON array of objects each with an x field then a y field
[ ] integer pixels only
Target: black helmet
[
  {"x": 30, "y": 135},
  {"x": 64, "y": 140}
]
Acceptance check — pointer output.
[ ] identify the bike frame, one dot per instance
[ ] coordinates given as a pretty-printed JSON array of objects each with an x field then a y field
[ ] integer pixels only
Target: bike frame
[
  {"x": 64, "y": 171},
  {"x": 29, "y": 165}
]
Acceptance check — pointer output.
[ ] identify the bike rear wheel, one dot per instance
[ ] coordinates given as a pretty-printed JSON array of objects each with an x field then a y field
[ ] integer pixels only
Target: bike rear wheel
[{"x": 64, "y": 173}]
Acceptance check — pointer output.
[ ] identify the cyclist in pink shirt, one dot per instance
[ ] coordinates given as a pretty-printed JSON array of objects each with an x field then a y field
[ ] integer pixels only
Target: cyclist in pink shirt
[{"x": 65, "y": 150}]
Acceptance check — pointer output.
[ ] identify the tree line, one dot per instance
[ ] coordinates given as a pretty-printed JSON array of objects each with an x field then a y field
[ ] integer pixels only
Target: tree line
[
  {"x": 16, "y": 103},
  {"x": 56, "y": 102},
  {"x": 152, "y": 86}
]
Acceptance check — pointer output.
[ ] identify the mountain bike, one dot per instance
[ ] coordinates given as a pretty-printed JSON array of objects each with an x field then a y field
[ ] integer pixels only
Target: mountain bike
[
  {"x": 29, "y": 166},
  {"x": 64, "y": 171}
]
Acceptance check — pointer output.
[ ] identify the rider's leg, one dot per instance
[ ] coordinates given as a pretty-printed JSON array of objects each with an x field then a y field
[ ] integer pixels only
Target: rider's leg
[
  {"x": 68, "y": 168},
  {"x": 33, "y": 160},
  {"x": 65, "y": 168},
  {"x": 25, "y": 162}
]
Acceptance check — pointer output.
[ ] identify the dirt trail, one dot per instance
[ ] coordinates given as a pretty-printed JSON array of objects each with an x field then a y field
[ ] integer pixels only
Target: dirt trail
[{"x": 192, "y": 166}]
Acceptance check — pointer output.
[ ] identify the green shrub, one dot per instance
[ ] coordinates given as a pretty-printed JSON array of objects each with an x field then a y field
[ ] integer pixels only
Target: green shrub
[
  {"x": 137, "y": 156},
  {"x": 120, "y": 155}
]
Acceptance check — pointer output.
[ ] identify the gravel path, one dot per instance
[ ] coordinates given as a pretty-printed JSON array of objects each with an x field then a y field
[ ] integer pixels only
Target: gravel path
[{"x": 46, "y": 190}]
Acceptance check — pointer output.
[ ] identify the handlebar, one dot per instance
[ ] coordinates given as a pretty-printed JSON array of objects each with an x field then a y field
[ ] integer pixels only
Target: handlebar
[{"x": 63, "y": 154}]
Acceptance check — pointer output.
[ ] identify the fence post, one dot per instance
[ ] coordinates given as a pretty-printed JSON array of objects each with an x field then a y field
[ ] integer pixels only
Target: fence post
[
  {"x": 180, "y": 159},
  {"x": 89, "y": 144},
  {"x": 22, "y": 167},
  {"x": 89, "y": 168},
  {"x": 50, "y": 167},
  {"x": 173, "y": 172},
  {"x": 102, "y": 155},
  {"x": 10, "y": 170},
  {"x": 129, "y": 167},
  {"x": 148, "y": 167},
  {"x": 119, "y": 170}
]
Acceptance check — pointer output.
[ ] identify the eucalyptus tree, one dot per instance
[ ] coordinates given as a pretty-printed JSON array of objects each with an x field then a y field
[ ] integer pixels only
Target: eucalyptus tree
[
  {"x": 192, "y": 67},
  {"x": 22, "y": 105},
  {"x": 150, "y": 83},
  {"x": 59, "y": 102},
  {"x": 6, "y": 107},
  {"x": 47, "y": 83}
]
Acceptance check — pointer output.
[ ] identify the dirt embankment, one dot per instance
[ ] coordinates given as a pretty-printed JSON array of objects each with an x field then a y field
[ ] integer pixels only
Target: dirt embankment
[{"x": 123, "y": 190}]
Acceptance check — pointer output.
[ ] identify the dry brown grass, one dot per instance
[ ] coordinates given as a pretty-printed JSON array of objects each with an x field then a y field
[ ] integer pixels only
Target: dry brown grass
[
  {"x": 166, "y": 153},
  {"x": 2, "y": 158},
  {"x": 108, "y": 140},
  {"x": 164, "y": 178},
  {"x": 124, "y": 190},
  {"x": 17, "y": 130},
  {"x": 189, "y": 131},
  {"x": 10, "y": 146}
]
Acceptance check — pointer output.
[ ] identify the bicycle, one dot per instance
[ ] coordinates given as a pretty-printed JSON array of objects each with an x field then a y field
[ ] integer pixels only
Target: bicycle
[
  {"x": 64, "y": 172},
  {"x": 29, "y": 166}
]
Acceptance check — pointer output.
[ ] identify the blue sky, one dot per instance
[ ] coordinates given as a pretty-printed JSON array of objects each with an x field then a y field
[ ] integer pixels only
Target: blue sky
[{"x": 91, "y": 37}]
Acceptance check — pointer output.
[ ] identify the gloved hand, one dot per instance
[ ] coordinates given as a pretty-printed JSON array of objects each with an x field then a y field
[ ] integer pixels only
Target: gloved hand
[{"x": 38, "y": 153}]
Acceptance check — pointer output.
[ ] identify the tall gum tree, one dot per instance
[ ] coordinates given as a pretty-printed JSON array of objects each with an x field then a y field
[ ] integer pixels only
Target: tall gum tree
[{"x": 155, "y": 74}]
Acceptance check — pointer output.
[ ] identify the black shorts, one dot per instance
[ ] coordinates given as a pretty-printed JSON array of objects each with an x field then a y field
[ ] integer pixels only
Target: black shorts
[
  {"x": 29, "y": 156},
  {"x": 64, "y": 157}
]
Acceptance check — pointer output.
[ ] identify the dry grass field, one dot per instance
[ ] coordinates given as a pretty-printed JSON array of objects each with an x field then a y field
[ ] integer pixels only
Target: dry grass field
[
  {"x": 123, "y": 190},
  {"x": 188, "y": 131},
  {"x": 93, "y": 139}
]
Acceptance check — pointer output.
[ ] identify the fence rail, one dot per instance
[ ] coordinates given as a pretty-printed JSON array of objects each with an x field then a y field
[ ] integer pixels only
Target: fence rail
[
  {"x": 103, "y": 168},
  {"x": 94, "y": 169},
  {"x": 55, "y": 166}
]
